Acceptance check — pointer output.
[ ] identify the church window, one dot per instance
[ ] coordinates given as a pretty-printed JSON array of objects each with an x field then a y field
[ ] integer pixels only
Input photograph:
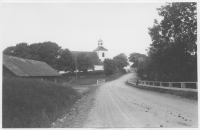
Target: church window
[{"x": 102, "y": 54}]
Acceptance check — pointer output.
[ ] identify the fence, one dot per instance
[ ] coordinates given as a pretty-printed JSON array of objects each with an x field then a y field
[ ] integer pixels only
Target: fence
[
  {"x": 190, "y": 85},
  {"x": 100, "y": 80}
]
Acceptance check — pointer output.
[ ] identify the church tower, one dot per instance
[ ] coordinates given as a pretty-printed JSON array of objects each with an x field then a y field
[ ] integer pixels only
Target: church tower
[{"x": 101, "y": 51}]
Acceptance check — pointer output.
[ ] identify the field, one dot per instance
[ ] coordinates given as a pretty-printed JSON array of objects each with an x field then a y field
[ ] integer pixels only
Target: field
[{"x": 29, "y": 103}]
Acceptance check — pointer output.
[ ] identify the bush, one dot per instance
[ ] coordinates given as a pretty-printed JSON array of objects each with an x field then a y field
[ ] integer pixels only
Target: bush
[{"x": 34, "y": 103}]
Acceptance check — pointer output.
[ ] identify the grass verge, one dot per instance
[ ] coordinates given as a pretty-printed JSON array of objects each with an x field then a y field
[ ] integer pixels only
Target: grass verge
[
  {"x": 184, "y": 94},
  {"x": 31, "y": 103},
  {"x": 93, "y": 80}
]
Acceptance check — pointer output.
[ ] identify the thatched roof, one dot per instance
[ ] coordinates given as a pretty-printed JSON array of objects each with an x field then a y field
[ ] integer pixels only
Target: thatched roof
[
  {"x": 25, "y": 67},
  {"x": 92, "y": 55}
]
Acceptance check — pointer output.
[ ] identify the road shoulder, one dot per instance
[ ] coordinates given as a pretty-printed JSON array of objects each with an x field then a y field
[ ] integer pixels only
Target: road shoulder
[{"x": 77, "y": 115}]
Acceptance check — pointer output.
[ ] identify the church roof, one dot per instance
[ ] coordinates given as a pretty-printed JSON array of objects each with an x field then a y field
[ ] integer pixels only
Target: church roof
[
  {"x": 25, "y": 67},
  {"x": 92, "y": 55},
  {"x": 100, "y": 48}
]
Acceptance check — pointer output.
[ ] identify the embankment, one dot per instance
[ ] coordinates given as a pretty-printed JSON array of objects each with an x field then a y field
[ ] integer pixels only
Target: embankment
[
  {"x": 185, "y": 94},
  {"x": 31, "y": 103}
]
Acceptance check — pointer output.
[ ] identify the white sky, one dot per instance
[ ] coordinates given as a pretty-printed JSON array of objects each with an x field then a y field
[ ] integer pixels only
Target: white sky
[{"x": 123, "y": 27}]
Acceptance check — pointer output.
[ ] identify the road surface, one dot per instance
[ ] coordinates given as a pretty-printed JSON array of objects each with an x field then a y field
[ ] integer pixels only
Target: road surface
[{"x": 119, "y": 105}]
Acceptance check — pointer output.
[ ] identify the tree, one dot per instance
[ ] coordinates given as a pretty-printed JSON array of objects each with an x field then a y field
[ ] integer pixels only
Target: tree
[
  {"x": 20, "y": 50},
  {"x": 138, "y": 60},
  {"x": 65, "y": 61},
  {"x": 47, "y": 52},
  {"x": 110, "y": 66},
  {"x": 173, "y": 51},
  {"x": 84, "y": 63},
  {"x": 121, "y": 60}
]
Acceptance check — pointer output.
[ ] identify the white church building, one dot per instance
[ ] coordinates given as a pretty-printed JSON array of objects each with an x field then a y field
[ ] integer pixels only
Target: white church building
[{"x": 97, "y": 56}]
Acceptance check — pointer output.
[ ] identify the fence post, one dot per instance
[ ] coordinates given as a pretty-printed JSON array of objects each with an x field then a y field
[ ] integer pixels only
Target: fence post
[
  {"x": 170, "y": 84},
  {"x": 183, "y": 85},
  {"x": 160, "y": 83},
  {"x": 196, "y": 85}
]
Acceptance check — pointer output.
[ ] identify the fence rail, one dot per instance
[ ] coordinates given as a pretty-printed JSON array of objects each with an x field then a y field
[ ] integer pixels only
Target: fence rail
[
  {"x": 100, "y": 80},
  {"x": 190, "y": 85}
]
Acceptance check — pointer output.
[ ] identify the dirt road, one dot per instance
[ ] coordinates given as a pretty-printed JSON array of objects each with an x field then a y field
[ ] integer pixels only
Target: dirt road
[{"x": 119, "y": 105}]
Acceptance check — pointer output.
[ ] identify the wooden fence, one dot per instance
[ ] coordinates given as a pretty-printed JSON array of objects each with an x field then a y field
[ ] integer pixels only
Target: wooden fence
[
  {"x": 100, "y": 80},
  {"x": 185, "y": 85}
]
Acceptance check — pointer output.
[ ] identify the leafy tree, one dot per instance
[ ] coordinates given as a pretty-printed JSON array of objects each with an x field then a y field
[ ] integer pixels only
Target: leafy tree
[
  {"x": 83, "y": 62},
  {"x": 65, "y": 61},
  {"x": 138, "y": 60},
  {"x": 121, "y": 60},
  {"x": 20, "y": 50},
  {"x": 47, "y": 52},
  {"x": 173, "y": 51},
  {"x": 110, "y": 66}
]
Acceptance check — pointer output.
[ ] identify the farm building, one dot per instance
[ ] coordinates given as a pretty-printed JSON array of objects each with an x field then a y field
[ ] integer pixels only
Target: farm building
[{"x": 25, "y": 68}]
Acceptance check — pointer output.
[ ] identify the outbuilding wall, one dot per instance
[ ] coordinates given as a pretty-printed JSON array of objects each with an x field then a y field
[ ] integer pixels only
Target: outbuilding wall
[{"x": 7, "y": 72}]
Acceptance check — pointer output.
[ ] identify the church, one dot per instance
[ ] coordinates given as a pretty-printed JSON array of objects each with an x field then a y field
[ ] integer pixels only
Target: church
[{"x": 97, "y": 56}]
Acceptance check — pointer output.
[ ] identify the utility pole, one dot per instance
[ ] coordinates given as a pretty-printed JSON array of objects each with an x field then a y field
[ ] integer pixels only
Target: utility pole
[{"x": 76, "y": 67}]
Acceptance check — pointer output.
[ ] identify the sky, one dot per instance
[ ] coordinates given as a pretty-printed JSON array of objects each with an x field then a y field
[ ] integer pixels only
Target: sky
[{"x": 123, "y": 27}]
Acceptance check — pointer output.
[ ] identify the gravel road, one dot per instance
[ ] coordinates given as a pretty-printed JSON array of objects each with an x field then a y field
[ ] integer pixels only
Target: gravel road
[{"x": 119, "y": 105}]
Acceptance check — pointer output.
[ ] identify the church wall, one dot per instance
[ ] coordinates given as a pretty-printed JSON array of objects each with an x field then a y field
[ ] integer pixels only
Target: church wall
[
  {"x": 99, "y": 53},
  {"x": 98, "y": 67}
]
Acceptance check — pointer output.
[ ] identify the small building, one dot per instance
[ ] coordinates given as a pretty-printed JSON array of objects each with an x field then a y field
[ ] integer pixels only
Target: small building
[{"x": 25, "y": 68}]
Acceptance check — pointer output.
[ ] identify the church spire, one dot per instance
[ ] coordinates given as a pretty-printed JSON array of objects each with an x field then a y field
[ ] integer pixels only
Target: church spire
[{"x": 100, "y": 42}]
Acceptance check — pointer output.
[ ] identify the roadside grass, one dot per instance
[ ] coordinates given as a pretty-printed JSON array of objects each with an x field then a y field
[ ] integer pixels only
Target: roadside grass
[
  {"x": 31, "y": 103},
  {"x": 86, "y": 85},
  {"x": 184, "y": 94},
  {"x": 86, "y": 80},
  {"x": 93, "y": 80}
]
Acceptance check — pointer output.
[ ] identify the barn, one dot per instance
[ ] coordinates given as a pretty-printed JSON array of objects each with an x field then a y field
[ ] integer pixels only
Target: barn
[{"x": 25, "y": 68}]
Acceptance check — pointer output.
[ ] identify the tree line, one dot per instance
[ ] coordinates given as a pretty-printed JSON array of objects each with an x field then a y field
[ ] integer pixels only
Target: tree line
[
  {"x": 172, "y": 55},
  {"x": 62, "y": 59},
  {"x": 51, "y": 53}
]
